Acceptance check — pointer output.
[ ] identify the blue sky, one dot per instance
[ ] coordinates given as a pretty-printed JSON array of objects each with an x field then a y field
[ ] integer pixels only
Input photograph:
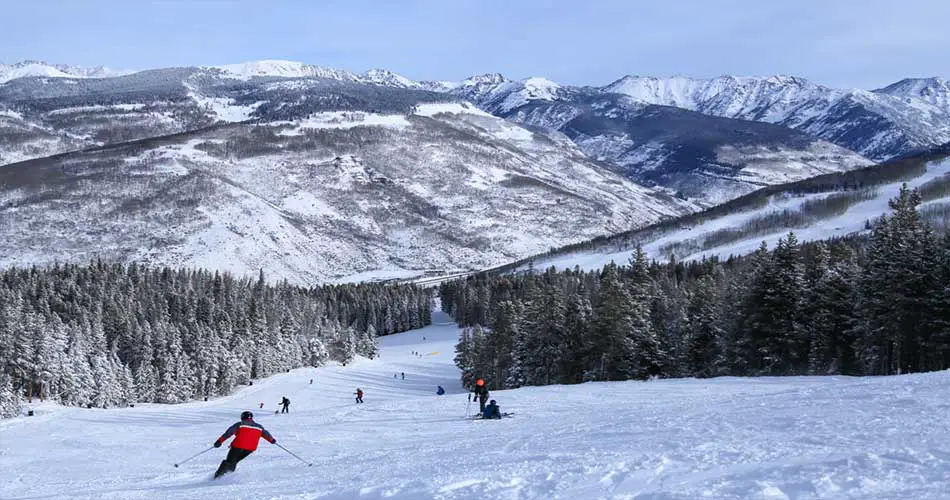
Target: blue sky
[{"x": 861, "y": 43}]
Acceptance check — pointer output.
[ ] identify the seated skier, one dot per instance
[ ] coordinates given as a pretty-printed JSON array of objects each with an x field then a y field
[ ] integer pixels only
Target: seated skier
[
  {"x": 440, "y": 391},
  {"x": 492, "y": 410}
]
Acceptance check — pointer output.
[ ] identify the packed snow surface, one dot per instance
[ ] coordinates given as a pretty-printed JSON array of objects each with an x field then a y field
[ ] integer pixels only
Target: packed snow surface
[{"x": 726, "y": 438}]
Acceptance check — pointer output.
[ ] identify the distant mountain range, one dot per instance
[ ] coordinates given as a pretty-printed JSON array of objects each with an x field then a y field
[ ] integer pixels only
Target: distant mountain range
[{"x": 609, "y": 158}]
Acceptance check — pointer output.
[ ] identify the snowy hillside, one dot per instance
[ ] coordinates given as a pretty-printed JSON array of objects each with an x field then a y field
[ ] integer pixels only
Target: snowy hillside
[
  {"x": 706, "y": 150},
  {"x": 66, "y": 114},
  {"x": 791, "y": 437},
  {"x": 825, "y": 207},
  {"x": 333, "y": 196}
]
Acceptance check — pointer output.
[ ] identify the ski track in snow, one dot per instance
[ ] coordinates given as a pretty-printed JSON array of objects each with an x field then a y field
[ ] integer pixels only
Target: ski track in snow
[{"x": 726, "y": 438}]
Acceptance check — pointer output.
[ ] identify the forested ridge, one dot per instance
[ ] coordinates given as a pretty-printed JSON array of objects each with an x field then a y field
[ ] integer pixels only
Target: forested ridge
[
  {"x": 875, "y": 305},
  {"x": 108, "y": 335}
]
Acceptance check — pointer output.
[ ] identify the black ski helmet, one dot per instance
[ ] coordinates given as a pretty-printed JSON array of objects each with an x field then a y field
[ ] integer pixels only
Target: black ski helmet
[
  {"x": 492, "y": 402},
  {"x": 246, "y": 415}
]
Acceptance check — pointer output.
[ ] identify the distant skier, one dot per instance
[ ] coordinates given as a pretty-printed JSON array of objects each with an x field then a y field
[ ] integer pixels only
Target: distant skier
[
  {"x": 285, "y": 403},
  {"x": 262, "y": 404},
  {"x": 246, "y": 434},
  {"x": 359, "y": 395},
  {"x": 481, "y": 393},
  {"x": 492, "y": 410},
  {"x": 440, "y": 391},
  {"x": 311, "y": 381},
  {"x": 403, "y": 375}
]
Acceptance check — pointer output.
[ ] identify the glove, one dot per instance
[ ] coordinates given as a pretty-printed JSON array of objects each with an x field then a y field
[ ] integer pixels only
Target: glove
[
  {"x": 217, "y": 444},
  {"x": 273, "y": 442}
]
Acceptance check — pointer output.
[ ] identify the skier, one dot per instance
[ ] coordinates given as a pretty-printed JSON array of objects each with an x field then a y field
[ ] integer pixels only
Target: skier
[
  {"x": 359, "y": 395},
  {"x": 481, "y": 393},
  {"x": 262, "y": 404},
  {"x": 311, "y": 381},
  {"x": 403, "y": 375},
  {"x": 246, "y": 434},
  {"x": 492, "y": 410},
  {"x": 285, "y": 403},
  {"x": 440, "y": 391}
]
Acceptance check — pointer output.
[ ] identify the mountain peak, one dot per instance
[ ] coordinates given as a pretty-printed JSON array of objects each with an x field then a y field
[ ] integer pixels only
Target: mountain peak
[
  {"x": 933, "y": 90},
  {"x": 485, "y": 79},
  {"x": 29, "y": 68},
  {"x": 282, "y": 69},
  {"x": 388, "y": 78}
]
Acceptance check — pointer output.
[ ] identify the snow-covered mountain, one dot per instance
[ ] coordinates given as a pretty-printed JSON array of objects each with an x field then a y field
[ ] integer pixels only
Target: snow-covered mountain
[
  {"x": 696, "y": 155},
  {"x": 328, "y": 195},
  {"x": 935, "y": 91},
  {"x": 908, "y": 116},
  {"x": 38, "y": 68},
  {"x": 651, "y": 145}
]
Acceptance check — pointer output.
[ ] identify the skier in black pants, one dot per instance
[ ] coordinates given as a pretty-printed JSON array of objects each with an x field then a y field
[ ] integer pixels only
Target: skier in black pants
[
  {"x": 359, "y": 395},
  {"x": 246, "y": 434},
  {"x": 285, "y": 403},
  {"x": 481, "y": 393}
]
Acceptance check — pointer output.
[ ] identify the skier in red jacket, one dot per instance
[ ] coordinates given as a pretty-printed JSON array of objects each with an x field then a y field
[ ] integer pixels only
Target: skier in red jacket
[{"x": 246, "y": 434}]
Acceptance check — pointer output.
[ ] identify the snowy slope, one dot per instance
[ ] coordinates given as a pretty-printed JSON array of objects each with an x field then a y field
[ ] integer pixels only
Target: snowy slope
[
  {"x": 726, "y": 438},
  {"x": 706, "y": 237}
]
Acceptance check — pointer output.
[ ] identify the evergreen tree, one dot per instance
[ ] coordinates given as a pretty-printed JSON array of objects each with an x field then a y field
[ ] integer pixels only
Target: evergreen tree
[{"x": 703, "y": 331}]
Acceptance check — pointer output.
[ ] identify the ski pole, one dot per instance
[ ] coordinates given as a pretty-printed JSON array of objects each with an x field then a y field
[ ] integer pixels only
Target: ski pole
[
  {"x": 194, "y": 456},
  {"x": 293, "y": 455}
]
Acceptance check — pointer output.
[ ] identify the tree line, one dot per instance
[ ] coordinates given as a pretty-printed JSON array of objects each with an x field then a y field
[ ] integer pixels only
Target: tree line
[
  {"x": 867, "y": 305},
  {"x": 107, "y": 335}
]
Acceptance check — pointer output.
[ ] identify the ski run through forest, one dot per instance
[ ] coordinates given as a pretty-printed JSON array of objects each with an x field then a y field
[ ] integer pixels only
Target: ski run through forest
[
  {"x": 129, "y": 370},
  {"x": 767, "y": 438}
]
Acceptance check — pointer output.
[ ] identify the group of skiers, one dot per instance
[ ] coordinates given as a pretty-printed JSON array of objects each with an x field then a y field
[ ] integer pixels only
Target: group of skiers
[
  {"x": 247, "y": 433},
  {"x": 480, "y": 393}
]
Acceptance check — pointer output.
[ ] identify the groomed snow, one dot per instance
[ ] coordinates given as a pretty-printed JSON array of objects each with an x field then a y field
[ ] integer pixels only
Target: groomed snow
[{"x": 725, "y": 438}]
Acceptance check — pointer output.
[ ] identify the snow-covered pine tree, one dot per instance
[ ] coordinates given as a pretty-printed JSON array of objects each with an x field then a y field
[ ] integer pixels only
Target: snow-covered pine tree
[
  {"x": 613, "y": 329},
  {"x": 703, "y": 330}
]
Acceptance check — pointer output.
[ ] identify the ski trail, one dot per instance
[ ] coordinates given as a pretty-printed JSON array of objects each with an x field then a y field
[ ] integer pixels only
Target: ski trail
[{"x": 794, "y": 437}]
